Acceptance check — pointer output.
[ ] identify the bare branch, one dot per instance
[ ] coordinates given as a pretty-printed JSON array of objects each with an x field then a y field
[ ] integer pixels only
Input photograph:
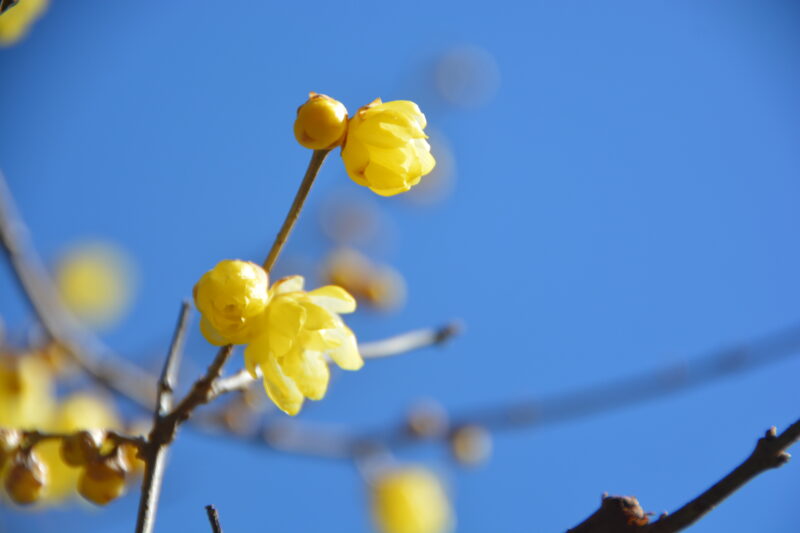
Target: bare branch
[
  {"x": 213, "y": 518},
  {"x": 155, "y": 455},
  {"x": 96, "y": 359},
  {"x": 622, "y": 514},
  {"x": 397, "y": 345},
  {"x": 317, "y": 158}
]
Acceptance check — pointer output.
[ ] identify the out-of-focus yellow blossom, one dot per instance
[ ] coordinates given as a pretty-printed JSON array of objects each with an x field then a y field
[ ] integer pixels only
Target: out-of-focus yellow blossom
[
  {"x": 321, "y": 122},
  {"x": 300, "y": 329},
  {"x": 232, "y": 298},
  {"x": 27, "y": 396},
  {"x": 15, "y": 23},
  {"x": 95, "y": 281},
  {"x": 80, "y": 411},
  {"x": 385, "y": 148},
  {"x": 410, "y": 500},
  {"x": 378, "y": 285}
]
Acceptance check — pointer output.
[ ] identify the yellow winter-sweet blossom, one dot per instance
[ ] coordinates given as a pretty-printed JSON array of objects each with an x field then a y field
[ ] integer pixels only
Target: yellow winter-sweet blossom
[
  {"x": 410, "y": 500},
  {"x": 232, "y": 298},
  {"x": 300, "y": 329},
  {"x": 385, "y": 148}
]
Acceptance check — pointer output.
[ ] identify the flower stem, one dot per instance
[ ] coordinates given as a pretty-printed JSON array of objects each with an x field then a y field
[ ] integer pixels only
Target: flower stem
[{"x": 291, "y": 217}]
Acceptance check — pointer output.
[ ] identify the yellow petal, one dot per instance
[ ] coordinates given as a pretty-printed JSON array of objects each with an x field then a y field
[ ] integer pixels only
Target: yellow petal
[
  {"x": 309, "y": 371},
  {"x": 287, "y": 284},
  {"x": 346, "y": 354},
  {"x": 212, "y": 335},
  {"x": 333, "y": 298},
  {"x": 280, "y": 388}
]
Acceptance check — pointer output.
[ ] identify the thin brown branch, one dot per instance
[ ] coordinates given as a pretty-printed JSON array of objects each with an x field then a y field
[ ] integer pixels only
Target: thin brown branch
[
  {"x": 317, "y": 158},
  {"x": 155, "y": 453},
  {"x": 91, "y": 355},
  {"x": 213, "y": 518},
  {"x": 623, "y": 514},
  {"x": 770, "y": 452},
  {"x": 396, "y": 345}
]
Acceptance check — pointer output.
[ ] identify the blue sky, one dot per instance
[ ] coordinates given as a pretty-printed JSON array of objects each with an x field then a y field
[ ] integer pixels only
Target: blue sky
[{"x": 627, "y": 198}]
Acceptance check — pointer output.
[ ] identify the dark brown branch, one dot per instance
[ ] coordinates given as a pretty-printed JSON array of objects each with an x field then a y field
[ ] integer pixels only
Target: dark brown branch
[
  {"x": 155, "y": 455},
  {"x": 96, "y": 359},
  {"x": 213, "y": 518},
  {"x": 622, "y": 514},
  {"x": 769, "y": 453}
]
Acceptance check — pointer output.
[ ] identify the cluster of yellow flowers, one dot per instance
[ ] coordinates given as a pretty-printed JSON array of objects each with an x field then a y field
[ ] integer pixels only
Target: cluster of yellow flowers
[
  {"x": 289, "y": 332},
  {"x": 384, "y": 145}
]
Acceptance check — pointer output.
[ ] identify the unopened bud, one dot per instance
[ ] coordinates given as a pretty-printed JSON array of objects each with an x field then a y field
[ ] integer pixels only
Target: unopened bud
[
  {"x": 26, "y": 478},
  {"x": 103, "y": 481},
  {"x": 471, "y": 445},
  {"x": 81, "y": 447},
  {"x": 321, "y": 122}
]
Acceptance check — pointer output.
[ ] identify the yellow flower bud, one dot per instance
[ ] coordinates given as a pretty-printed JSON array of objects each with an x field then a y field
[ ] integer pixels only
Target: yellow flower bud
[
  {"x": 321, "y": 122},
  {"x": 385, "y": 148},
  {"x": 232, "y": 297},
  {"x": 9, "y": 441},
  {"x": 81, "y": 447},
  {"x": 410, "y": 500},
  {"x": 26, "y": 478},
  {"x": 103, "y": 481}
]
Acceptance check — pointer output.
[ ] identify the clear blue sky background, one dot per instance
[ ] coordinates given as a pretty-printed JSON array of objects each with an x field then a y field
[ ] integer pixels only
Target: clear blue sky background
[{"x": 627, "y": 199}]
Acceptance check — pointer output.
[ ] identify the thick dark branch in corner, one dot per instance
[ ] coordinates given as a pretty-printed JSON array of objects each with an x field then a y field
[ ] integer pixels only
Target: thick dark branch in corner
[
  {"x": 213, "y": 518},
  {"x": 622, "y": 514}
]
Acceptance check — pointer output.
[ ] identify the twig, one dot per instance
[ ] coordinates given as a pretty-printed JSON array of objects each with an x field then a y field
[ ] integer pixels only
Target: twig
[
  {"x": 156, "y": 450},
  {"x": 399, "y": 344},
  {"x": 32, "y": 438},
  {"x": 287, "y": 436},
  {"x": 317, "y": 158},
  {"x": 213, "y": 518},
  {"x": 96, "y": 359},
  {"x": 622, "y": 514},
  {"x": 769, "y": 453}
]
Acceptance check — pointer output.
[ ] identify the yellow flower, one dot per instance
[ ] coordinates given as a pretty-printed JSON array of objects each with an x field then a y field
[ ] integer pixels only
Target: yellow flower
[
  {"x": 321, "y": 122},
  {"x": 385, "y": 148},
  {"x": 15, "y": 22},
  {"x": 232, "y": 298},
  {"x": 95, "y": 280},
  {"x": 410, "y": 500},
  {"x": 300, "y": 329}
]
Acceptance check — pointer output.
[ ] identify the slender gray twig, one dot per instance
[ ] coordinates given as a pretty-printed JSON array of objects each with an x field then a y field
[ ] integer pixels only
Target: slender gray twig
[
  {"x": 156, "y": 449},
  {"x": 88, "y": 352},
  {"x": 396, "y": 345}
]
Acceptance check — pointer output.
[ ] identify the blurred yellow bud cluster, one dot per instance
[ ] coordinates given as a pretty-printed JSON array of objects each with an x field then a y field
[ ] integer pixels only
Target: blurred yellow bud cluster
[
  {"x": 384, "y": 145},
  {"x": 31, "y": 472},
  {"x": 290, "y": 333},
  {"x": 410, "y": 499},
  {"x": 95, "y": 280},
  {"x": 77, "y": 454},
  {"x": 381, "y": 286},
  {"x": 17, "y": 20}
]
